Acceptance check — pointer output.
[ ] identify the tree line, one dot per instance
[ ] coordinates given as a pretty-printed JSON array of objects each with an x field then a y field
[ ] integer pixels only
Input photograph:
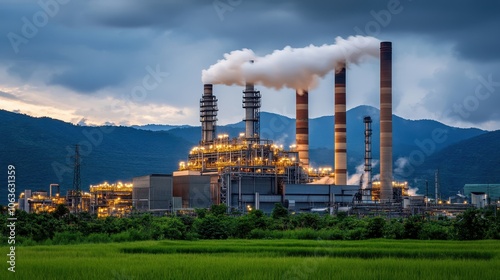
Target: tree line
[{"x": 62, "y": 227}]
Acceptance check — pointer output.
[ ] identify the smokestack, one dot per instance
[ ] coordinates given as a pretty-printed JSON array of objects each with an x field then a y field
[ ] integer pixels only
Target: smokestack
[
  {"x": 208, "y": 114},
  {"x": 302, "y": 126},
  {"x": 385, "y": 121},
  {"x": 340, "y": 129},
  {"x": 368, "y": 151},
  {"x": 251, "y": 104}
]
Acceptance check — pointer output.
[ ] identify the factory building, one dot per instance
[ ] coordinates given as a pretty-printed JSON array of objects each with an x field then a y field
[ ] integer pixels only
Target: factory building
[
  {"x": 111, "y": 199},
  {"x": 194, "y": 189},
  {"x": 41, "y": 201},
  {"x": 482, "y": 195},
  {"x": 152, "y": 193}
]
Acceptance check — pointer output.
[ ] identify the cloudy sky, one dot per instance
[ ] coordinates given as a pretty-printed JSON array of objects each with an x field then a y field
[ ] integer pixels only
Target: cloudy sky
[{"x": 138, "y": 62}]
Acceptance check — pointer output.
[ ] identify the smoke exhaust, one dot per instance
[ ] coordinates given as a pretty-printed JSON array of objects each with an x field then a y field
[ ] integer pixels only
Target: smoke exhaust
[
  {"x": 385, "y": 121},
  {"x": 208, "y": 114},
  {"x": 302, "y": 126},
  {"x": 340, "y": 128}
]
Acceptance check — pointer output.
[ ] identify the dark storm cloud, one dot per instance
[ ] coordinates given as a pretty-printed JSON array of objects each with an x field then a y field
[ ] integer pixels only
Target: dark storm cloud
[
  {"x": 468, "y": 24},
  {"x": 471, "y": 25}
]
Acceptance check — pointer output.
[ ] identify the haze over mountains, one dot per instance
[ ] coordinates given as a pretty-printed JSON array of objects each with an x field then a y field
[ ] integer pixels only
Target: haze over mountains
[{"x": 42, "y": 149}]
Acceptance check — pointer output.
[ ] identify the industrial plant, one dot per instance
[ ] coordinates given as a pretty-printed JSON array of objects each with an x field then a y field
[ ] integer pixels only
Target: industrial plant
[{"x": 248, "y": 172}]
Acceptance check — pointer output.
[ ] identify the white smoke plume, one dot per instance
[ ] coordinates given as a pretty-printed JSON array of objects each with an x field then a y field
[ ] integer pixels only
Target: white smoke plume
[
  {"x": 295, "y": 68},
  {"x": 401, "y": 164},
  {"x": 360, "y": 173},
  {"x": 354, "y": 178},
  {"x": 412, "y": 191}
]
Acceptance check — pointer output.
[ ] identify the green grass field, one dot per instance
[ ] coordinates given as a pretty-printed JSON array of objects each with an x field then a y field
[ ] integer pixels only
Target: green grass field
[{"x": 259, "y": 259}]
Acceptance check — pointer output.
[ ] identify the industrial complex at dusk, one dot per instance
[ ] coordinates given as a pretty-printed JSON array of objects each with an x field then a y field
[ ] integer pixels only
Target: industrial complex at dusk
[{"x": 248, "y": 172}]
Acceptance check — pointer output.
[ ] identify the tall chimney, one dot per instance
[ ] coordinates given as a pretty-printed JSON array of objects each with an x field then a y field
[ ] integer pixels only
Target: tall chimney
[
  {"x": 208, "y": 114},
  {"x": 340, "y": 129},
  {"x": 302, "y": 126},
  {"x": 385, "y": 121},
  {"x": 251, "y": 104}
]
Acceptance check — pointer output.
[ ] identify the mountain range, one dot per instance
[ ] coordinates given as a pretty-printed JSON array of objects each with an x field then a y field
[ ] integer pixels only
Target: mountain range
[{"x": 42, "y": 149}]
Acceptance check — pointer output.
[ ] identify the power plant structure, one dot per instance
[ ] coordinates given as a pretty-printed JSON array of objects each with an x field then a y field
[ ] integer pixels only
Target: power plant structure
[{"x": 250, "y": 172}]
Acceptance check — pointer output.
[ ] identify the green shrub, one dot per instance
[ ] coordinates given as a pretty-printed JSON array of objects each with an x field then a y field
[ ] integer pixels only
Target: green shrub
[
  {"x": 192, "y": 236},
  {"x": 276, "y": 234},
  {"x": 23, "y": 241},
  {"x": 470, "y": 225},
  {"x": 356, "y": 234},
  {"x": 174, "y": 229},
  {"x": 493, "y": 231},
  {"x": 434, "y": 231},
  {"x": 412, "y": 227},
  {"x": 62, "y": 238},
  {"x": 308, "y": 220},
  {"x": 98, "y": 238},
  {"x": 331, "y": 234},
  {"x": 307, "y": 233},
  {"x": 138, "y": 235},
  {"x": 244, "y": 225},
  {"x": 258, "y": 233},
  {"x": 394, "y": 229},
  {"x": 212, "y": 227},
  {"x": 375, "y": 227},
  {"x": 279, "y": 212},
  {"x": 121, "y": 237}
]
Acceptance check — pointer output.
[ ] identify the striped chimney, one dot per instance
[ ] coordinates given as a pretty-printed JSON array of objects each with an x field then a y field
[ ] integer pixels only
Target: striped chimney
[
  {"x": 385, "y": 121},
  {"x": 302, "y": 126},
  {"x": 340, "y": 129}
]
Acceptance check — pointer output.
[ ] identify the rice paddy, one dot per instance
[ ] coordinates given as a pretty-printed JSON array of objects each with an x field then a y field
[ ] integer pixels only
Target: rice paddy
[{"x": 260, "y": 259}]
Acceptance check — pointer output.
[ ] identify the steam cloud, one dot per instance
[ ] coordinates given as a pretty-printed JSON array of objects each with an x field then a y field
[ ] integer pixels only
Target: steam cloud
[
  {"x": 295, "y": 68},
  {"x": 355, "y": 178}
]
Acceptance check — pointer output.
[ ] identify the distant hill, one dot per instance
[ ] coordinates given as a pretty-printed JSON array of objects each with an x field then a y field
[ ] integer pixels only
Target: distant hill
[
  {"x": 159, "y": 127},
  {"x": 281, "y": 129},
  {"x": 42, "y": 148},
  {"x": 407, "y": 133},
  {"x": 475, "y": 160}
]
